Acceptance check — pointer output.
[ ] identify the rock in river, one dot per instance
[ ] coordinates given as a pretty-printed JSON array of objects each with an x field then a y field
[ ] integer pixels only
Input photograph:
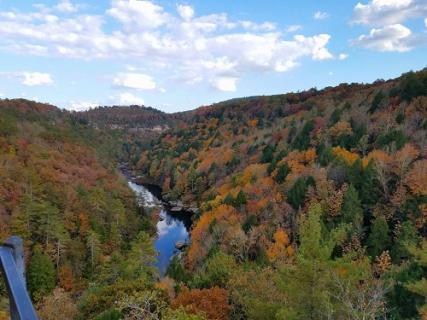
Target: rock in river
[{"x": 180, "y": 245}]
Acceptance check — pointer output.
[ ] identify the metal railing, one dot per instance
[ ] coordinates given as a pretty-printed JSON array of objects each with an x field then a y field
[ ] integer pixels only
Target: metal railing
[{"x": 13, "y": 269}]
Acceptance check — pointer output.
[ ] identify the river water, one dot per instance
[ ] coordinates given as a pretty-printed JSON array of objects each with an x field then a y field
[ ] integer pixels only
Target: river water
[{"x": 171, "y": 227}]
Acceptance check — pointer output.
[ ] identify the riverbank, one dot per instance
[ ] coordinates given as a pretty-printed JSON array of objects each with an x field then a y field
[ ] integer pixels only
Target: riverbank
[
  {"x": 172, "y": 228},
  {"x": 173, "y": 205}
]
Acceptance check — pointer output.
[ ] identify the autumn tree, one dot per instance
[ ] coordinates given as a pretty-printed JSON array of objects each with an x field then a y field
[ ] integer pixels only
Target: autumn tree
[{"x": 211, "y": 302}]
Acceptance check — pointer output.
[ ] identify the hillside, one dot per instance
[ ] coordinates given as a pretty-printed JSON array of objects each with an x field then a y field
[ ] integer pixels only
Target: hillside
[
  {"x": 335, "y": 177},
  {"x": 88, "y": 246},
  {"x": 313, "y": 205}
]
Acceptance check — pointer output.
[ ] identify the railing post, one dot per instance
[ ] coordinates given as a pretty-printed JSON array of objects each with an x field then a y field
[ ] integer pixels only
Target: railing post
[
  {"x": 17, "y": 244},
  {"x": 13, "y": 268}
]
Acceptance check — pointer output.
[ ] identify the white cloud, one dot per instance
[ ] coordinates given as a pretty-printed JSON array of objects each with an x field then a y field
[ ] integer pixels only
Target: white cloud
[
  {"x": 66, "y": 6},
  {"x": 81, "y": 105},
  {"x": 137, "y": 81},
  {"x": 186, "y": 12},
  {"x": 386, "y": 18},
  {"x": 425, "y": 22},
  {"x": 189, "y": 48},
  {"x": 342, "y": 56},
  {"x": 225, "y": 84},
  {"x": 1, "y": 95},
  {"x": 319, "y": 15},
  {"x": 249, "y": 25},
  {"x": 136, "y": 13},
  {"x": 127, "y": 98},
  {"x": 293, "y": 28},
  {"x": 390, "y": 38},
  {"x": 387, "y": 12},
  {"x": 30, "y": 79}
]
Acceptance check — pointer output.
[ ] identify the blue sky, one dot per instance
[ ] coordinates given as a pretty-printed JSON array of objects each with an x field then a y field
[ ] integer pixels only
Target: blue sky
[{"x": 178, "y": 55}]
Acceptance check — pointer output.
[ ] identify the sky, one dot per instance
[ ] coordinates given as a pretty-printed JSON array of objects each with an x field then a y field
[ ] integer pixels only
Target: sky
[{"x": 179, "y": 55}]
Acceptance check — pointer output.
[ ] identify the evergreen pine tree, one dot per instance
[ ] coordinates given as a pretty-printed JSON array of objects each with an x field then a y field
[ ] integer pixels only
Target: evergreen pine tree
[
  {"x": 379, "y": 238},
  {"x": 282, "y": 173},
  {"x": 40, "y": 275},
  {"x": 352, "y": 211}
]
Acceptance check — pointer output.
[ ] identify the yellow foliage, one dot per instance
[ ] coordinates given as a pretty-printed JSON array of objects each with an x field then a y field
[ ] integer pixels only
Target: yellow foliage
[
  {"x": 281, "y": 247},
  {"x": 253, "y": 172},
  {"x": 341, "y": 127},
  {"x": 347, "y": 156}
]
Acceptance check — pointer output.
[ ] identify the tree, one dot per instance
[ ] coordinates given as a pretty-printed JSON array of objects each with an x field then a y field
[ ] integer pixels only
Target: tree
[
  {"x": 282, "y": 173},
  {"x": 267, "y": 154},
  {"x": 379, "y": 238},
  {"x": 216, "y": 271},
  {"x": 141, "y": 258},
  {"x": 40, "y": 275},
  {"x": 420, "y": 286},
  {"x": 305, "y": 284},
  {"x": 379, "y": 97},
  {"x": 240, "y": 199},
  {"x": 296, "y": 195},
  {"x": 211, "y": 302},
  {"x": 58, "y": 305},
  {"x": 319, "y": 287},
  {"x": 352, "y": 211}
]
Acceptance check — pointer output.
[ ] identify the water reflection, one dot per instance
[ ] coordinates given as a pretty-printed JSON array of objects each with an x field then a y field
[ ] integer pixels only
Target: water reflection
[{"x": 170, "y": 227}]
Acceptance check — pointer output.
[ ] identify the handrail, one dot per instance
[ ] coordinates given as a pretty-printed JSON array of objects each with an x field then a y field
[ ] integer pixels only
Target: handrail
[{"x": 13, "y": 270}]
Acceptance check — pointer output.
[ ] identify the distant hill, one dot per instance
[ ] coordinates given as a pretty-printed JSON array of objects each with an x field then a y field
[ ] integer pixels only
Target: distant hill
[{"x": 130, "y": 118}]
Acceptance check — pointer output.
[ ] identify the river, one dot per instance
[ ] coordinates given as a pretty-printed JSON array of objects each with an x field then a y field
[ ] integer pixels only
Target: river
[{"x": 171, "y": 227}]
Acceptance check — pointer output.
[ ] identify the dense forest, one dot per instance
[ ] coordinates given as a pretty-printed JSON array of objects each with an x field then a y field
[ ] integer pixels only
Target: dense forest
[
  {"x": 89, "y": 249},
  {"x": 312, "y": 205}
]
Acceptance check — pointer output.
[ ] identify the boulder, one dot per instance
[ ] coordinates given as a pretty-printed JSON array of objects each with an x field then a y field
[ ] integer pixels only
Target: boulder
[{"x": 180, "y": 245}]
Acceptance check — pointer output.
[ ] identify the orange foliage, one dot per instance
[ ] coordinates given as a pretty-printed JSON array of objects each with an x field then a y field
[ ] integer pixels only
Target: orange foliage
[
  {"x": 416, "y": 178},
  {"x": 347, "y": 156},
  {"x": 253, "y": 123},
  {"x": 280, "y": 247},
  {"x": 253, "y": 172},
  {"x": 200, "y": 231},
  {"x": 377, "y": 156},
  {"x": 213, "y": 302},
  {"x": 66, "y": 278}
]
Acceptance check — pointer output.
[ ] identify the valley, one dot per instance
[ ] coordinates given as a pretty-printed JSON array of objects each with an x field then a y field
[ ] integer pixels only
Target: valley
[{"x": 308, "y": 205}]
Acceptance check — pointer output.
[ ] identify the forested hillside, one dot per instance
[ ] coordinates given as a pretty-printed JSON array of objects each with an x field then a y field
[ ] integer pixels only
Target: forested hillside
[
  {"x": 89, "y": 249},
  {"x": 313, "y": 204}
]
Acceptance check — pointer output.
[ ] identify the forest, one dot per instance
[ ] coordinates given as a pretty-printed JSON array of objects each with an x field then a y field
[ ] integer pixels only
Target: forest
[{"x": 312, "y": 205}]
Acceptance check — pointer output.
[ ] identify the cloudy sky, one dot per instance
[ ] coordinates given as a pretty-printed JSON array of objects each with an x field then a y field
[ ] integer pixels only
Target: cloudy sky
[{"x": 176, "y": 55}]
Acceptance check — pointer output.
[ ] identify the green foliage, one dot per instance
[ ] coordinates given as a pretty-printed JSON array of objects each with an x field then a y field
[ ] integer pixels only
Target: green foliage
[
  {"x": 216, "y": 271},
  {"x": 379, "y": 238},
  {"x": 393, "y": 136},
  {"x": 296, "y": 195},
  {"x": 352, "y": 211},
  {"x": 177, "y": 271},
  {"x": 378, "y": 99},
  {"x": 302, "y": 140},
  {"x": 413, "y": 86},
  {"x": 407, "y": 236},
  {"x": 41, "y": 275},
  {"x": 111, "y": 314},
  {"x": 267, "y": 154},
  {"x": 282, "y": 173}
]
